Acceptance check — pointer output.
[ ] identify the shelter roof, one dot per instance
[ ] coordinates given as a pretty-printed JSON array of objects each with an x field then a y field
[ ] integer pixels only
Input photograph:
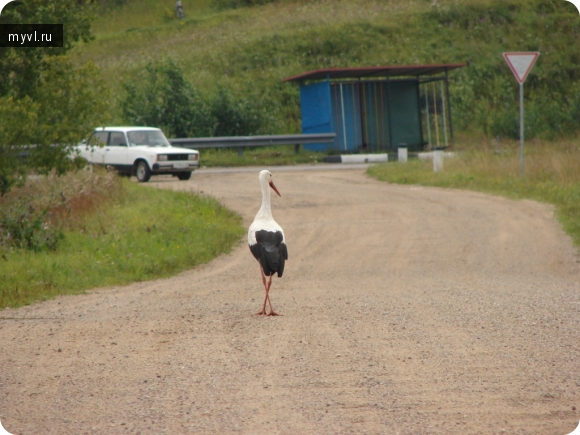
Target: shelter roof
[{"x": 374, "y": 71}]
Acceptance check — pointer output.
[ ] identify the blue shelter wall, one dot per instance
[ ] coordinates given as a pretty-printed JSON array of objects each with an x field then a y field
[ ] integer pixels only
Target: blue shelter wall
[
  {"x": 346, "y": 116},
  {"x": 316, "y": 112},
  {"x": 365, "y": 115}
]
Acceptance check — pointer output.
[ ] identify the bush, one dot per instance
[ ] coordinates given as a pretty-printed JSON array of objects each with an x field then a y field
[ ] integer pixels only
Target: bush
[
  {"x": 67, "y": 104},
  {"x": 23, "y": 226},
  {"x": 47, "y": 105},
  {"x": 34, "y": 216},
  {"x": 234, "y": 117},
  {"x": 163, "y": 98}
]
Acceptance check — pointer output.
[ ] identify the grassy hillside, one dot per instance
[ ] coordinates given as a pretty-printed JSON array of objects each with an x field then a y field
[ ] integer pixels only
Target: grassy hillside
[{"x": 250, "y": 49}]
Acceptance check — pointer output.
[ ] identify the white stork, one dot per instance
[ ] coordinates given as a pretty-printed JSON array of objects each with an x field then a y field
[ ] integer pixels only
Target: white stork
[{"x": 266, "y": 240}]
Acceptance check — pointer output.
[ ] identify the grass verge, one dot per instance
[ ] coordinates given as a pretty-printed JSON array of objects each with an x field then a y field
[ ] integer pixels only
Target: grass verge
[
  {"x": 550, "y": 175},
  {"x": 144, "y": 234},
  {"x": 267, "y": 156}
]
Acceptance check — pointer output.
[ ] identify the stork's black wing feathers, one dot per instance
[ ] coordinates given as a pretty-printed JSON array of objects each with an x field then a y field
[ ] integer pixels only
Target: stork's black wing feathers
[
  {"x": 255, "y": 249},
  {"x": 270, "y": 251}
]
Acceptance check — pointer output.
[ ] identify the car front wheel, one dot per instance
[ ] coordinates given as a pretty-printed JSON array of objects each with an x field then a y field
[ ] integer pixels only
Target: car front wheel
[
  {"x": 142, "y": 171},
  {"x": 184, "y": 176}
]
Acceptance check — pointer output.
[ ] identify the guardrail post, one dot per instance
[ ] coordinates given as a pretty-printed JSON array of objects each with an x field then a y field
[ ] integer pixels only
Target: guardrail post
[
  {"x": 240, "y": 152},
  {"x": 402, "y": 155},
  {"x": 438, "y": 159},
  {"x": 297, "y": 148}
]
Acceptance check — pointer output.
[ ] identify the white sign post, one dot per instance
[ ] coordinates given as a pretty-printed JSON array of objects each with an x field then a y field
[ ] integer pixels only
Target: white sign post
[{"x": 521, "y": 63}]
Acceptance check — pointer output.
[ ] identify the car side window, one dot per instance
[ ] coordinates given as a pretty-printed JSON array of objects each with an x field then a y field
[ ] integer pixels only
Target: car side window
[
  {"x": 100, "y": 138},
  {"x": 117, "y": 138}
]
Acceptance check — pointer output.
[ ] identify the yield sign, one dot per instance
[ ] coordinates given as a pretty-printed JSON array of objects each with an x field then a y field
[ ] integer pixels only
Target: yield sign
[{"x": 521, "y": 63}]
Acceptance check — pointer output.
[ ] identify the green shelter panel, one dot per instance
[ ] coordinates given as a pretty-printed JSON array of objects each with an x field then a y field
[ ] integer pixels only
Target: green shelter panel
[{"x": 405, "y": 114}]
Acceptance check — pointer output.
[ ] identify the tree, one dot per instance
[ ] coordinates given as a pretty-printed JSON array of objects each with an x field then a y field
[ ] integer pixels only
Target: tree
[
  {"x": 46, "y": 104},
  {"x": 68, "y": 104},
  {"x": 21, "y": 67}
]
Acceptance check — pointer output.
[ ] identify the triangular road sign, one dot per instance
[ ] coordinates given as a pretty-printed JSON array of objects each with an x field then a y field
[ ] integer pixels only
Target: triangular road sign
[{"x": 521, "y": 63}]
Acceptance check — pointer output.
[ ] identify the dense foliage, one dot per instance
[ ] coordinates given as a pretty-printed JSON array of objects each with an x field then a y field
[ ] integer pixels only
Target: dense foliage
[
  {"x": 21, "y": 67},
  {"x": 47, "y": 105},
  {"x": 162, "y": 97}
]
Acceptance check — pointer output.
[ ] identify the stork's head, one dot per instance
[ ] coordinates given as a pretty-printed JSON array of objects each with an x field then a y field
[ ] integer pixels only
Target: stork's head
[{"x": 267, "y": 177}]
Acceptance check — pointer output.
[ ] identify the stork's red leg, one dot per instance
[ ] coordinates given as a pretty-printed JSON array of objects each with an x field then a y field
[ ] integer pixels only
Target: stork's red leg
[
  {"x": 272, "y": 313},
  {"x": 259, "y": 313},
  {"x": 267, "y": 297}
]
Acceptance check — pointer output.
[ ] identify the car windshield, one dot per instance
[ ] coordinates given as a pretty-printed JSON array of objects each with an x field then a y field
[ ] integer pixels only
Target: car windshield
[{"x": 152, "y": 138}]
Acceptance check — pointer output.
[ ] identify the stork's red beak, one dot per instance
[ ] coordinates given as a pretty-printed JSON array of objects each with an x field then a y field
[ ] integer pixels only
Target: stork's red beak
[{"x": 274, "y": 188}]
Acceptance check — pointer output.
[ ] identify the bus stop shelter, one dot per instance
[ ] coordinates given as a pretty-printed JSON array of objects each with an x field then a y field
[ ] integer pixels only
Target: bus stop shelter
[{"x": 377, "y": 109}]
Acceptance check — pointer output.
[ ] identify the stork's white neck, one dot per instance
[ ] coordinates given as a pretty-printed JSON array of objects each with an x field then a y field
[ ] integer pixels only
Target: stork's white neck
[{"x": 265, "y": 211}]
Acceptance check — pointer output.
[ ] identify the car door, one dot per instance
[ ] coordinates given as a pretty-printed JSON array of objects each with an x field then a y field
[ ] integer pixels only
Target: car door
[
  {"x": 94, "y": 150},
  {"x": 116, "y": 150}
]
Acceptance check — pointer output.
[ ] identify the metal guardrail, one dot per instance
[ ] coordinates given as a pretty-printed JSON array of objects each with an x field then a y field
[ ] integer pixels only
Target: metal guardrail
[{"x": 241, "y": 142}]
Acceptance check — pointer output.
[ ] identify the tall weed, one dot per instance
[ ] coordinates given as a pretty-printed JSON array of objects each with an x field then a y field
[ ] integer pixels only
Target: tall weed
[{"x": 35, "y": 216}]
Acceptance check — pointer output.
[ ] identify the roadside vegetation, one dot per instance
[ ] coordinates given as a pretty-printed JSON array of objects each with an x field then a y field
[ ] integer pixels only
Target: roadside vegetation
[
  {"x": 550, "y": 175},
  {"x": 65, "y": 235},
  {"x": 264, "y": 156},
  {"x": 48, "y": 104}
]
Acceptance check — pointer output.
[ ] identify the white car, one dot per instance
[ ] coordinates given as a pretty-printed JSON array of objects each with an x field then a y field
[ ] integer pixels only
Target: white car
[{"x": 139, "y": 151}]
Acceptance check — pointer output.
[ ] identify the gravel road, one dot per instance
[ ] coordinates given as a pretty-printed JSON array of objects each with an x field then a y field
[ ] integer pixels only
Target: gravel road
[{"x": 406, "y": 310}]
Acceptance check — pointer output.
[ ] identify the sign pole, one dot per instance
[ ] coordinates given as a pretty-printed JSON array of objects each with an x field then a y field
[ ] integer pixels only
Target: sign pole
[
  {"x": 521, "y": 128},
  {"x": 521, "y": 63}
]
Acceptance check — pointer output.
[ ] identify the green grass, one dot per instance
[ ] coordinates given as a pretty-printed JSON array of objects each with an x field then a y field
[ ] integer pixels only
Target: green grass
[
  {"x": 147, "y": 234},
  {"x": 550, "y": 175},
  {"x": 264, "y": 156}
]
